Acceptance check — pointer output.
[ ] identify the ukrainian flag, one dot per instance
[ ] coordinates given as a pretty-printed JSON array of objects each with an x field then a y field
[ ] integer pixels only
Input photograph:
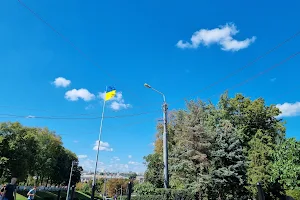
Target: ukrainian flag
[{"x": 110, "y": 93}]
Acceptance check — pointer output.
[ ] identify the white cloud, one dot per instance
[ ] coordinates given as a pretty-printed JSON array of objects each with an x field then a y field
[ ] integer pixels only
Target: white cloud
[
  {"x": 129, "y": 156},
  {"x": 222, "y": 36},
  {"x": 74, "y": 95},
  {"x": 61, "y": 82},
  {"x": 118, "y": 101},
  {"x": 119, "y": 105},
  {"x": 30, "y": 116},
  {"x": 89, "y": 165},
  {"x": 116, "y": 158},
  {"x": 289, "y": 109},
  {"x": 134, "y": 163},
  {"x": 82, "y": 156},
  {"x": 104, "y": 146}
]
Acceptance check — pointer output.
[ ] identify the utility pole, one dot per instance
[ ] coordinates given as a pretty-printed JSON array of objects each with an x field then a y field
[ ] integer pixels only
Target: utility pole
[
  {"x": 121, "y": 192},
  {"x": 165, "y": 145},
  {"x": 165, "y": 137},
  {"x": 105, "y": 186},
  {"x": 68, "y": 191}
]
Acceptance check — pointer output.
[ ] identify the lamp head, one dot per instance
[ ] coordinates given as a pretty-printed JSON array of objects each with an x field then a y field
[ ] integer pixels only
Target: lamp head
[{"x": 147, "y": 86}]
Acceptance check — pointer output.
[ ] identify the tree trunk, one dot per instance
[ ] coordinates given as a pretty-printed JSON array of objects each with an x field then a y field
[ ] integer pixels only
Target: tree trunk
[
  {"x": 47, "y": 182},
  {"x": 42, "y": 179},
  {"x": 37, "y": 180}
]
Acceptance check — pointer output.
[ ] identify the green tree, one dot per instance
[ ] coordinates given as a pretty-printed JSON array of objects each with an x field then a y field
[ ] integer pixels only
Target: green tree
[
  {"x": 260, "y": 157},
  {"x": 154, "y": 172},
  {"x": 34, "y": 152},
  {"x": 18, "y": 145},
  {"x": 286, "y": 166},
  {"x": 144, "y": 189},
  {"x": 251, "y": 116},
  {"x": 191, "y": 149},
  {"x": 228, "y": 165}
]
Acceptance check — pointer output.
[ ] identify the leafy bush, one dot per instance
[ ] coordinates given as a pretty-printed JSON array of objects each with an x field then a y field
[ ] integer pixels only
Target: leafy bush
[
  {"x": 144, "y": 189},
  {"x": 149, "y": 197},
  {"x": 293, "y": 193}
]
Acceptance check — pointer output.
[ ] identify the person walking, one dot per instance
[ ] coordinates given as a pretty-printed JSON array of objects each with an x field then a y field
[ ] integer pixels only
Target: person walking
[
  {"x": 10, "y": 192},
  {"x": 31, "y": 193},
  {"x": 2, "y": 191}
]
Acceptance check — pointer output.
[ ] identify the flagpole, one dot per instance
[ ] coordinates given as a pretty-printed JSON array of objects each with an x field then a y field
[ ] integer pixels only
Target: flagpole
[{"x": 98, "y": 148}]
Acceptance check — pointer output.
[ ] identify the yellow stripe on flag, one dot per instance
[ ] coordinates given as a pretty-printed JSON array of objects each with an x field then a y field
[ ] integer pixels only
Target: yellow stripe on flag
[{"x": 110, "y": 94}]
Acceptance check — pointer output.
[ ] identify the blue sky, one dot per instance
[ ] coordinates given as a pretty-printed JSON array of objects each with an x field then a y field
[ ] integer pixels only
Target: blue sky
[{"x": 177, "y": 47}]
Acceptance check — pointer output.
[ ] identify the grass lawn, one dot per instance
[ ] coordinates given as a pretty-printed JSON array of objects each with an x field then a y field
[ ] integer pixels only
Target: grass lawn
[
  {"x": 40, "y": 195},
  {"x": 20, "y": 197}
]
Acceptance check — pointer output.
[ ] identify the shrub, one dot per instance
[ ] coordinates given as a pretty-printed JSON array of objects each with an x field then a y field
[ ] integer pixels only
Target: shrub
[
  {"x": 293, "y": 193},
  {"x": 144, "y": 189},
  {"x": 148, "y": 197},
  {"x": 146, "y": 192}
]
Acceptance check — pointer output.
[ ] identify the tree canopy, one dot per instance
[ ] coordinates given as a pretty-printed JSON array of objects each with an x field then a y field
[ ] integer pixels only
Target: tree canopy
[
  {"x": 35, "y": 153},
  {"x": 221, "y": 151}
]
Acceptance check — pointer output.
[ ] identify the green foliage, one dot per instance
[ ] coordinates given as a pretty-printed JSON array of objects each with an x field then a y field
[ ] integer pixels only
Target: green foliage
[
  {"x": 286, "y": 166},
  {"x": 154, "y": 172},
  {"x": 163, "y": 194},
  {"x": 260, "y": 156},
  {"x": 144, "y": 189},
  {"x": 149, "y": 197},
  {"x": 293, "y": 193},
  {"x": 213, "y": 150},
  {"x": 132, "y": 175},
  {"x": 41, "y": 153},
  {"x": 229, "y": 165},
  {"x": 189, "y": 164}
]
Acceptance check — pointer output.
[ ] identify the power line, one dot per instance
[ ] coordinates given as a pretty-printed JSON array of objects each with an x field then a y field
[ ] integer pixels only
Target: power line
[
  {"x": 68, "y": 41},
  {"x": 237, "y": 71},
  {"x": 115, "y": 127},
  {"x": 221, "y": 80},
  {"x": 145, "y": 113},
  {"x": 75, "y": 118},
  {"x": 260, "y": 73}
]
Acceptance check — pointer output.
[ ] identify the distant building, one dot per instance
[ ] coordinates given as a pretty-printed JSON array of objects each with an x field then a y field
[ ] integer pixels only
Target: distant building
[
  {"x": 85, "y": 177},
  {"x": 140, "y": 179}
]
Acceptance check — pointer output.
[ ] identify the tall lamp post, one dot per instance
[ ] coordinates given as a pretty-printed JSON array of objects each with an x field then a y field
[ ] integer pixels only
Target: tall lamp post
[
  {"x": 165, "y": 136},
  {"x": 69, "y": 184}
]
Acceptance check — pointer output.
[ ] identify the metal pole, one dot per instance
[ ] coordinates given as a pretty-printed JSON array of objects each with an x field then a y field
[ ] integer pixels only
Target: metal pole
[
  {"x": 165, "y": 145},
  {"x": 73, "y": 191},
  {"x": 97, "y": 156},
  {"x": 105, "y": 187},
  {"x": 129, "y": 191},
  {"x": 261, "y": 195},
  {"x": 68, "y": 191},
  {"x": 165, "y": 137},
  {"x": 121, "y": 192},
  {"x": 58, "y": 195}
]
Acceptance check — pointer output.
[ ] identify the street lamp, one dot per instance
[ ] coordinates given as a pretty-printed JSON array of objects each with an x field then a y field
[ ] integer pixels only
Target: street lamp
[
  {"x": 165, "y": 136},
  {"x": 68, "y": 191}
]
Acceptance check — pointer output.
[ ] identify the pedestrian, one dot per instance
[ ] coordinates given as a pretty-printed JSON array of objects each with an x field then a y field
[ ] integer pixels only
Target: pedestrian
[
  {"x": 10, "y": 192},
  {"x": 31, "y": 193},
  {"x": 2, "y": 191}
]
